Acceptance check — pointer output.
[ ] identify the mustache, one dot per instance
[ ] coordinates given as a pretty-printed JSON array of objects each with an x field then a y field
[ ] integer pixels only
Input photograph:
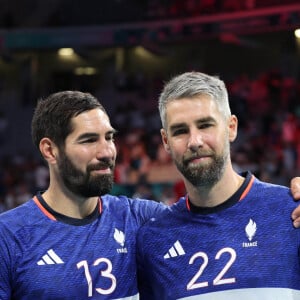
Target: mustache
[
  {"x": 102, "y": 165},
  {"x": 194, "y": 155}
]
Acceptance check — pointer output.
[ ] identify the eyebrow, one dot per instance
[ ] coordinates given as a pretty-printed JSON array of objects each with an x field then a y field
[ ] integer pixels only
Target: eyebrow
[
  {"x": 206, "y": 119},
  {"x": 93, "y": 134},
  {"x": 202, "y": 120},
  {"x": 177, "y": 126}
]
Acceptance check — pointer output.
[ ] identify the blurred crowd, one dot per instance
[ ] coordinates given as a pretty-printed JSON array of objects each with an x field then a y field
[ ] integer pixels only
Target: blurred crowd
[
  {"x": 268, "y": 143},
  {"x": 76, "y": 13},
  {"x": 194, "y": 8}
]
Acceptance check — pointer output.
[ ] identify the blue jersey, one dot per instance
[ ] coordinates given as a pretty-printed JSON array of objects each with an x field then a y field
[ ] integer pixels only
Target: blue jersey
[
  {"x": 246, "y": 248},
  {"x": 45, "y": 255}
]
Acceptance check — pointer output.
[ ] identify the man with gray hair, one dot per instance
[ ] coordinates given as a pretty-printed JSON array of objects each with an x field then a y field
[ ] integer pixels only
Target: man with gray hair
[{"x": 231, "y": 236}]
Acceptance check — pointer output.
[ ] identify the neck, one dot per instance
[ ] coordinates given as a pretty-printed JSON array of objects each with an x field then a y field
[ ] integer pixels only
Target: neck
[
  {"x": 217, "y": 194},
  {"x": 68, "y": 204}
]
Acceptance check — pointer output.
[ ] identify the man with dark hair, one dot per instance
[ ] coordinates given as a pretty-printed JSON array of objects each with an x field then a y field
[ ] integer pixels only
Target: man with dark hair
[{"x": 73, "y": 241}]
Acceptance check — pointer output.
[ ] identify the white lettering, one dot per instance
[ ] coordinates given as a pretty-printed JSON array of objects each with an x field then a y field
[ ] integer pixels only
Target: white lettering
[
  {"x": 253, "y": 244},
  {"x": 122, "y": 250}
]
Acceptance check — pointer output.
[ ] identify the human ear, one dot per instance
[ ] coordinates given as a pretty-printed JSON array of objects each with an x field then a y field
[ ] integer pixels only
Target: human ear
[
  {"x": 164, "y": 139},
  {"x": 48, "y": 150},
  {"x": 233, "y": 127}
]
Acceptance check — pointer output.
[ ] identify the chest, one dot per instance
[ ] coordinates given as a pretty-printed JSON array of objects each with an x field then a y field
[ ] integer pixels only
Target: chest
[
  {"x": 209, "y": 255},
  {"x": 82, "y": 262}
]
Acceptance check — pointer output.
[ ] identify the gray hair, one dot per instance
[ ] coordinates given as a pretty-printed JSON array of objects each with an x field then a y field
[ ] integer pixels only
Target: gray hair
[{"x": 190, "y": 84}]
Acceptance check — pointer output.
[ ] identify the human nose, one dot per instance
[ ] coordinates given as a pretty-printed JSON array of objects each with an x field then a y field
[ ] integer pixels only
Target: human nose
[
  {"x": 195, "y": 139},
  {"x": 105, "y": 149}
]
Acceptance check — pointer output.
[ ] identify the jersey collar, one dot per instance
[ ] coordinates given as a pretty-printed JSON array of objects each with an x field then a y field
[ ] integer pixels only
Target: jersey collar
[
  {"x": 53, "y": 215},
  {"x": 239, "y": 195}
]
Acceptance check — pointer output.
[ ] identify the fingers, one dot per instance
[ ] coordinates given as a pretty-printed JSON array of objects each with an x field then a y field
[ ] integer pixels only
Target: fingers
[
  {"x": 296, "y": 222},
  {"x": 295, "y": 188},
  {"x": 296, "y": 217}
]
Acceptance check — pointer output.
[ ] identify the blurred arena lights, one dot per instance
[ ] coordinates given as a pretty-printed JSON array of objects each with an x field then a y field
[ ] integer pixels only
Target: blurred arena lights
[
  {"x": 85, "y": 71},
  {"x": 297, "y": 33},
  {"x": 65, "y": 52}
]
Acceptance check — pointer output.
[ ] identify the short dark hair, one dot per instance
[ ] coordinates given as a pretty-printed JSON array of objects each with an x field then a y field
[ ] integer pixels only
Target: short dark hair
[{"x": 53, "y": 114}]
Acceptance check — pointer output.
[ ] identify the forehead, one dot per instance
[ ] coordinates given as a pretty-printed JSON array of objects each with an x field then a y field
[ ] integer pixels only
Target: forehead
[
  {"x": 94, "y": 120},
  {"x": 188, "y": 109}
]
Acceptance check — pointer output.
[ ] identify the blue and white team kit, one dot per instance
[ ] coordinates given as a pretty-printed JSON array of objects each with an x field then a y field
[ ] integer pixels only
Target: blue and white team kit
[
  {"x": 45, "y": 255},
  {"x": 244, "y": 249}
]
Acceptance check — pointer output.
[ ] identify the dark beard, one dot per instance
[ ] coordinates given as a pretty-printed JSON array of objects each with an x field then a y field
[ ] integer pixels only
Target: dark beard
[
  {"x": 82, "y": 183},
  {"x": 205, "y": 175}
]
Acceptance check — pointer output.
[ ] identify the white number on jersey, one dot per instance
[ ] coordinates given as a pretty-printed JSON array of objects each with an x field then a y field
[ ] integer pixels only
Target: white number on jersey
[
  {"x": 193, "y": 284},
  {"x": 106, "y": 273}
]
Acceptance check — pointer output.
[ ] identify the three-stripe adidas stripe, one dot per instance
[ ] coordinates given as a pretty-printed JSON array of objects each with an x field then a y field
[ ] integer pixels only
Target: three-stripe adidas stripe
[
  {"x": 175, "y": 250},
  {"x": 50, "y": 258}
]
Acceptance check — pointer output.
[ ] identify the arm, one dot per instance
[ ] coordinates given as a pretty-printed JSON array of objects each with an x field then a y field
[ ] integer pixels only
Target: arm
[
  {"x": 295, "y": 189},
  {"x": 5, "y": 288},
  {"x": 144, "y": 286}
]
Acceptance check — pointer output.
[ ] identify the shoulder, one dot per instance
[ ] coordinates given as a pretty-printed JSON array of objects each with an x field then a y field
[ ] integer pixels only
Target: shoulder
[
  {"x": 268, "y": 196},
  {"x": 142, "y": 209},
  {"x": 271, "y": 189},
  {"x": 171, "y": 214},
  {"x": 19, "y": 216},
  {"x": 17, "y": 223},
  {"x": 125, "y": 202}
]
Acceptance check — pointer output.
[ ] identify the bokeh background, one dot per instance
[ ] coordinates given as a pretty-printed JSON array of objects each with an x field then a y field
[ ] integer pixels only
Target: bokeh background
[{"x": 122, "y": 51}]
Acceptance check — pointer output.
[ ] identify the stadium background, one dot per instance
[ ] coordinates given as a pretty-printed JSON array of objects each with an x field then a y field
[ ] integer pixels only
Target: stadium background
[{"x": 122, "y": 52}]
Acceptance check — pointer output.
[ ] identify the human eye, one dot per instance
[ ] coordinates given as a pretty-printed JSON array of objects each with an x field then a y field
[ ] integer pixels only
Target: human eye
[
  {"x": 110, "y": 136},
  {"x": 205, "y": 125},
  {"x": 89, "y": 140},
  {"x": 179, "y": 131}
]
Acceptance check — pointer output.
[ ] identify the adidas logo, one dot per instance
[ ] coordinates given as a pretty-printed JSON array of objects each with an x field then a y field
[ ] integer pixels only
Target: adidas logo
[
  {"x": 51, "y": 258},
  {"x": 175, "y": 250}
]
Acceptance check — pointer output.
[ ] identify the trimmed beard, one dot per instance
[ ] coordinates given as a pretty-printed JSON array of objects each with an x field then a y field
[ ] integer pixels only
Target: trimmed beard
[
  {"x": 206, "y": 175},
  {"x": 82, "y": 183}
]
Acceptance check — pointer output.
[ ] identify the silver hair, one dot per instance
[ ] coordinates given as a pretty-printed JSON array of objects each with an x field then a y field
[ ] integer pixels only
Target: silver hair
[{"x": 190, "y": 84}]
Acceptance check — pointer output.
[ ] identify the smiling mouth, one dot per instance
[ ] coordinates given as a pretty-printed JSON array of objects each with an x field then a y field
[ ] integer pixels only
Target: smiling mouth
[
  {"x": 103, "y": 170},
  {"x": 197, "y": 159},
  {"x": 101, "y": 167}
]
